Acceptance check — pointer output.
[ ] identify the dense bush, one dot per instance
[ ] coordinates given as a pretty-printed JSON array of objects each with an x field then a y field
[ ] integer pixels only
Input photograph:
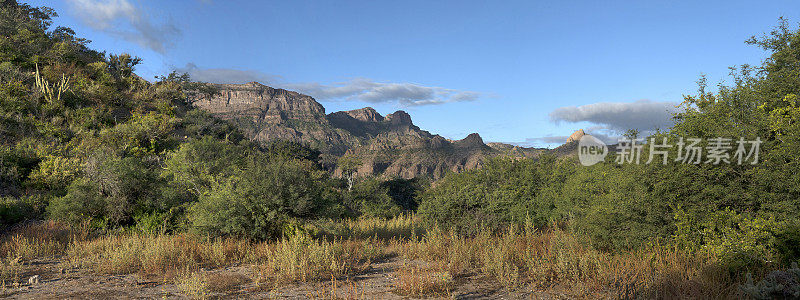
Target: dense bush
[
  {"x": 606, "y": 203},
  {"x": 259, "y": 199},
  {"x": 198, "y": 164},
  {"x": 370, "y": 199},
  {"x": 13, "y": 210},
  {"x": 497, "y": 194},
  {"x": 406, "y": 192},
  {"x": 82, "y": 202}
]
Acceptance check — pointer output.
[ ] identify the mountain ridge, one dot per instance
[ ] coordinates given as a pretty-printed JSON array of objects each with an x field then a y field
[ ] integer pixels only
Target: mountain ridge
[{"x": 389, "y": 146}]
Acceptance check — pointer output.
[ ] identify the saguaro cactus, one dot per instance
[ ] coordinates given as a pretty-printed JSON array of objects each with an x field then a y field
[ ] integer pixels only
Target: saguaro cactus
[{"x": 54, "y": 90}]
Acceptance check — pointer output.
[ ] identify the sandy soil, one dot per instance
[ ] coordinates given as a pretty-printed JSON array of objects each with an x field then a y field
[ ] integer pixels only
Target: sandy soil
[{"x": 57, "y": 280}]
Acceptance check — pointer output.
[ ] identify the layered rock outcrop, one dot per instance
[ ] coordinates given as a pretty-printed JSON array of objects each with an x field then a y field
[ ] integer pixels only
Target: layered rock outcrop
[
  {"x": 576, "y": 136},
  {"x": 391, "y": 146}
]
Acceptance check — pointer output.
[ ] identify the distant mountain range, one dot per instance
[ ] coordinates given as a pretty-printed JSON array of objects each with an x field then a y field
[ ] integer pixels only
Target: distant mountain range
[{"x": 389, "y": 146}]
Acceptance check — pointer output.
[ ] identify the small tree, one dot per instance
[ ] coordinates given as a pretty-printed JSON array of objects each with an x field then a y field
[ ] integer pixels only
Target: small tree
[
  {"x": 349, "y": 165},
  {"x": 631, "y": 134}
]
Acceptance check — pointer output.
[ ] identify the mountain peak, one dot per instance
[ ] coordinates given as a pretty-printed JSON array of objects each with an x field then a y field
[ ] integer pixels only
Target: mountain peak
[
  {"x": 399, "y": 118},
  {"x": 472, "y": 140},
  {"x": 366, "y": 114},
  {"x": 576, "y": 136}
]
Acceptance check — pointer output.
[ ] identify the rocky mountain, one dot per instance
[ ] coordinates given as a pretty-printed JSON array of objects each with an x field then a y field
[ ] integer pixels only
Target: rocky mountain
[
  {"x": 516, "y": 151},
  {"x": 391, "y": 145},
  {"x": 265, "y": 114},
  {"x": 576, "y": 136}
]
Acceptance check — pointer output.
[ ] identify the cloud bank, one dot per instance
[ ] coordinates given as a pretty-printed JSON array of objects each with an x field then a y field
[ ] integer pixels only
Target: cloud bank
[
  {"x": 359, "y": 89},
  {"x": 609, "y": 120},
  {"x": 366, "y": 90},
  {"x": 597, "y": 131},
  {"x": 550, "y": 139},
  {"x": 644, "y": 115},
  {"x": 110, "y": 16}
]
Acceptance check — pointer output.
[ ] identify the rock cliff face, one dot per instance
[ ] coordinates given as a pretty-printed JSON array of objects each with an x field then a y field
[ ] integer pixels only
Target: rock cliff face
[
  {"x": 262, "y": 103},
  {"x": 391, "y": 146},
  {"x": 576, "y": 136},
  {"x": 266, "y": 114}
]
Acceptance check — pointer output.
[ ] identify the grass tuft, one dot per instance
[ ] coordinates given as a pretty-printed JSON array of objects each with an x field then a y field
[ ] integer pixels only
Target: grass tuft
[
  {"x": 418, "y": 282},
  {"x": 302, "y": 258},
  {"x": 192, "y": 284}
]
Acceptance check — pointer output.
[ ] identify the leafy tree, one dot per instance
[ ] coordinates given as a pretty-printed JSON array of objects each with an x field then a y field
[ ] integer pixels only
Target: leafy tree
[
  {"x": 406, "y": 192},
  {"x": 371, "y": 199},
  {"x": 259, "y": 199},
  {"x": 198, "y": 165},
  {"x": 349, "y": 165},
  {"x": 82, "y": 202}
]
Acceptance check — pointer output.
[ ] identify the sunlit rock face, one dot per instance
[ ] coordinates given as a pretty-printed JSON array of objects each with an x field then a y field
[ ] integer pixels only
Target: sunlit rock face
[
  {"x": 576, "y": 136},
  {"x": 390, "y": 146}
]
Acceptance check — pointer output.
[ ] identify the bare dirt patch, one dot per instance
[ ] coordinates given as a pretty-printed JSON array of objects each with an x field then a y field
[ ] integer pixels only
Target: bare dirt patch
[{"x": 381, "y": 280}]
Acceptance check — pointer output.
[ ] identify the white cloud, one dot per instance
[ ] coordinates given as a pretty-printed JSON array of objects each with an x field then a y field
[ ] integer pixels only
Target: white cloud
[
  {"x": 644, "y": 115},
  {"x": 609, "y": 120},
  {"x": 112, "y": 15},
  {"x": 545, "y": 140},
  {"x": 359, "y": 89},
  {"x": 556, "y": 140},
  {"x": 226, "y": 75},
  {"x": 366, "y": 90}
]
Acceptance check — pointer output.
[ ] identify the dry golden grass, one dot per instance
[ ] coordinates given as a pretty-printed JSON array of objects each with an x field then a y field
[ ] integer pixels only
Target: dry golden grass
[
  {"x": 401, "y": 227},
  {"x": 156, "y": 254},
  {"x": 222, "y": 282},
  {"x": 192, "y": 284},
  {"x": 43, "y": 239},
  {"x": 10, "y": 269},
  {"x": 423, "y": 282},
  {"x": 542, "y": 259},
  {"x": 556, "y": 258},
  {"x": 302, "y": 258},
  {"x": 337, "y": 290}
]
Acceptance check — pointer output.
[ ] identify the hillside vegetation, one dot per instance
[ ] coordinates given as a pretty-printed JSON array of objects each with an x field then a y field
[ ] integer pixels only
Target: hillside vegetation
[{"x": 106, "y": 171}]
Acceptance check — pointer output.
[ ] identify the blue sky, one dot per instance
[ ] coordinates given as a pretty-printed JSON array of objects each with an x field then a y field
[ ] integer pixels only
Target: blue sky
[{"x": 528, "y": 72}]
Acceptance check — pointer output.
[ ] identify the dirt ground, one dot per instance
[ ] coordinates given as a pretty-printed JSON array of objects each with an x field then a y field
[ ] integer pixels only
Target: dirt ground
[{"x": 58, "y": 280}]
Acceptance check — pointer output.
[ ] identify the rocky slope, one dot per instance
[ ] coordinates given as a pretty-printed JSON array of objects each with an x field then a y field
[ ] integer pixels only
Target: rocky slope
[
  {"x": 391, "y": 145},
  {"x": 516, "y": 151},
  {"x": 265, "y": 114}
]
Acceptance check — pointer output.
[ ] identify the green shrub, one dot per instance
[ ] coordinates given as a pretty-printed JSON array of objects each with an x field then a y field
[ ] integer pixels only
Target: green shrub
[
  {"x": 83, "y": 201},
  {"x": 406, "y": 192},
  {"x": 259, "y": 199},
  {"x": 738, "y": 240},
  {"x": 14, "y": 210},
  {"x": 198, "y": 164},
  {"x": 142, "y": 135},
  {"x": 113, "y": 189},
  {"x": 496, "y": 195},
  {"x": 370, "y": 199},
  {"x": 199, "y": 124},
  {"x": 55, "y": 172}
]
